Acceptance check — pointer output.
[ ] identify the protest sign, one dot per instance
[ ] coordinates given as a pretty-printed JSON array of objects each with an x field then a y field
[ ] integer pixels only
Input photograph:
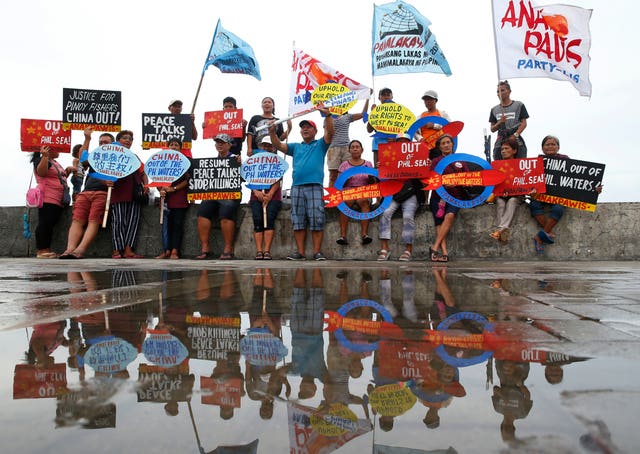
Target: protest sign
[
  {"x": 391, "y": 118},
  {"x": 227, "y": 121},
  {"x": 521, "y": 176},
  {"x": 404, "y": 359},
  {"x": 159, "y": 384},
  {"x": 261, "y": 348},
  {"x": 99, "y": 109},
  {"x": 211, "y": 338},
  {"x": 327, "y": 91},
  {"x": 166, "y": 166},
  {"x": 215, "y": 179},
  {"x": 163, "y": 349},
  {"x": 109, "y": 354},
  {"x": 36, "y": 382},
  {"x": 36, "y": 133},
  {"x": 113, "y": 161},
  {"x": 572, "y": 183},
  {"x": 393, "y": 399},
  {"x": 403, "y": 160},
  {"x": 225, "y": 392},
  {"x": 263, "y": 169},
  {"x": 158, "y": 128}
]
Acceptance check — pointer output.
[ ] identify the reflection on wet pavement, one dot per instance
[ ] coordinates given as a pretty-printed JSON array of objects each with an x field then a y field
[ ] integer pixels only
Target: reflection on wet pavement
[{"x": 317, "y": 360}]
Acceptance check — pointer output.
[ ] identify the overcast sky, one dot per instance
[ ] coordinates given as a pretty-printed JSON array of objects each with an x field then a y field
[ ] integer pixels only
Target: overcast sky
[{"x": 153, "y": 52}]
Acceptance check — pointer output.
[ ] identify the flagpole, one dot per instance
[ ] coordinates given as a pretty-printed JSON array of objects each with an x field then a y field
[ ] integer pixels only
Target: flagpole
[
  {"x": 193, "y": 108},
  {"x": 495, "y": 38}
]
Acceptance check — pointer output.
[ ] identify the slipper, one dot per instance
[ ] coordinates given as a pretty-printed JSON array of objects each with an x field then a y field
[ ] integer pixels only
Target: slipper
[
  {"x": 434, "y": 255},
  {"x": 366, "y": 239},
  {"x": 405, "y": 257},
  {"x": 204, "y": 256},
  {"x": 164, "y": 255},
  {"x": 134, "y": 256},
  {"x": 117, "y": 255},
  {"x": 267, "y": 255},
  {"x": 342, "y": 241},
  {"x": 383, "y": 255},
  {"x": 259, "y": 255},
  {"x": 70, "y": 256},
  {"x": 545, "y": 237},
  {"x": 47, "y": 255},
  {"x": 226, "y": 256},
  {"x": 538, "y": 246}
]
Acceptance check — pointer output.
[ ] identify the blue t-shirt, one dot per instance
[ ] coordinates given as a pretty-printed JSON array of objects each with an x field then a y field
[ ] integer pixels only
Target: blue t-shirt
[{"x": 308, "y": 161}]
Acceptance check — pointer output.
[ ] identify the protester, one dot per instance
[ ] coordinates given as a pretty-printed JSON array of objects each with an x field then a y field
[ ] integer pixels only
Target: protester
[
  {"x": 547, "y": 215},
  {"x": 384, "y": 95},
  {"x": 307, "y": 204},
  {"x": 254, "y": 136},
  {"x": 125, "y": 212},
  {"x": 265, "y": 204},
  {"x": 175, "y": 107},
  {"x": 444, "y": 213},
  {"x": 506, "y": 205},
  {"x": 89, "y": 207},
  {"x": 78, "y": 172},
  {"x": 364, "y": 205},
  {"x": 407, "y": 200},
  {"x": 226, "y": 210},
  {"x": 177, "y": 203},
  {"x": 509, "y": 118},
  {"x": 430, "y": 99},
  {"x": 51, "y": 177},
  {"x": 339, "y": 148}
]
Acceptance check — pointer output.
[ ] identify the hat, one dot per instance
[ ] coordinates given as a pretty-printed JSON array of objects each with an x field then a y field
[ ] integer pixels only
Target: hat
[
  {"x": 430, "y": 94},
  {"x": 223, "y": 138},
  {"x": 403, "y": 135},
  {"x": 175, "y": 101},
  {"x": 308, "y": 122},
  {"x": 266, "y": 139}
]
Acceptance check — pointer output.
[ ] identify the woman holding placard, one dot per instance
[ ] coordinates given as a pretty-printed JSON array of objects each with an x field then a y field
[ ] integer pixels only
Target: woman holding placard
[
  {"x": 125, "y": 212},
  {"x": 506, "y": 205}
]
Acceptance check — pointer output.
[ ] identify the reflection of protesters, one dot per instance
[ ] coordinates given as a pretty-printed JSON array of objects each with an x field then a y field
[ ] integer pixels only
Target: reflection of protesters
[
  {"x": 307, "y": 343},
  {"x": 512, "y": 398},
  {"x": 45, "y": 339}
]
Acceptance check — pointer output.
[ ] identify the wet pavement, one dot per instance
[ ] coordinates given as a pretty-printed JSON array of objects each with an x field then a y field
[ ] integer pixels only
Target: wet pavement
[{"x": 318, "y": 357}]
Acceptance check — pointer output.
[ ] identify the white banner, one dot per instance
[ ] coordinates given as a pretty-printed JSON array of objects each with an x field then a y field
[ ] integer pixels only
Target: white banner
[{"x": 550, "y": 41}]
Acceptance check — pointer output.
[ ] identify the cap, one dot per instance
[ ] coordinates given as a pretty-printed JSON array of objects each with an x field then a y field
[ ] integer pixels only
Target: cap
[
  {"x": 308, "y": 122},
  {"x": 175, "y": 101},
  {"x": 430, "y": 94},
  {"x": 266, "y": 139},
  {"x": 223, "y": 138},
  {"x": 403, "y": 135}
]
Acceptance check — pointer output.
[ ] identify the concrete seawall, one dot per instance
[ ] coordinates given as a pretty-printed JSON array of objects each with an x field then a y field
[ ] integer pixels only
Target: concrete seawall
[{"x": 610, "y": 233}]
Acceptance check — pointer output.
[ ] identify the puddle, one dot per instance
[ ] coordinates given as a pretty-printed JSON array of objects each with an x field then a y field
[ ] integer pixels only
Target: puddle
[{"x": 312, "y": 360}]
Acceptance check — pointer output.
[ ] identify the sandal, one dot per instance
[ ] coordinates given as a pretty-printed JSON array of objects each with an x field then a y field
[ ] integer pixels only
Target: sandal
[
  {"x": 495, "y": 235},
  {"x": 259, "y": 255},
  {"x": 267, "y": 255},
  {"x": 545, "y": 237},
  {"x": 405, "y": 257},
  {"x": 204, "y": 256},
  {"x": 116, "y": 255},
  {"x": 366, "y": 239},
  {"x": 383, "y": 255},
  {"x": 539, "y": 247},
  {"x": 342, "y": 241},
  {"x": 226, "y": 256},
  {"x": 434, "y": 255}
]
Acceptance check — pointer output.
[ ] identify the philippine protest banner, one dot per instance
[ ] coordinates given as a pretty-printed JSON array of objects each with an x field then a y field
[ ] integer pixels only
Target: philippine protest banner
[
  {"x": 403, "y": 43},
  {"x": 404, "y": 359},
  {"x": 158, "y": 128},
  {"x": 391, "y": 118},
  {"x": 165, "y": 166},
  {"x": 393, "y": 399},
  {"x": 262, "y": 170},
  {"x": 572, "y": 183},
  {"x": 160, "y": 384},
  {"x": 261, "y": 348},
  {"x": 109, "y": 354},
  {"x": 162, "y": 348},
  {"x": 36, "y": 133},
  {"x": 521, "y": 176},
  {"x": 227, "y": 121},
  {"x": 36, "y": 382},
  {"x": 99, "y": 109},
  {"x": 212, "y": 338},
  {"x": 308, "y": 73},
  {"x": 222, "y": 391},
  {"x": 214, "y": 179},
  {"x": 113, "y": 161},
  {"x": 328, "y": 91},
  {"x": 550, "y": 41},
  {"x": 403, "y": 160}
]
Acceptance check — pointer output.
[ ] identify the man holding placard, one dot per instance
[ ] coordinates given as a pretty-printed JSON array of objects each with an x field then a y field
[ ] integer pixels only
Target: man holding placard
[{"x": 307, "y": 204}]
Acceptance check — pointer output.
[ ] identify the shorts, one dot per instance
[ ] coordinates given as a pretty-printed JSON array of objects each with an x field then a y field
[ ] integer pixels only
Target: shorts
[
  {"x": 433, "y": 206},
  {"x": 307, "y": 206},
  {"x": 226, "y": 209},
  {"x": 257, "y": 212},
  {"x": 336, "y": 156},
  {"x": 89, "y": 206}
]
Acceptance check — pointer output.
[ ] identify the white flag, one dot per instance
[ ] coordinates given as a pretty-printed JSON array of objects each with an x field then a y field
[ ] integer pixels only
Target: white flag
[{"x": 550, "y": 41}]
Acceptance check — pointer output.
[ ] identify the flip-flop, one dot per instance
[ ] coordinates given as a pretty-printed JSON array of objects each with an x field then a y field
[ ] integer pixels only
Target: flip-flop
[
  {"x": 366, "y": 239},
  {"x": 204, "y": 256},
  {"x": 70, "y": 256},
  {"x": 545, "y": 237},
  {"x": 342, "y": 241},
  {"x": 267, "y": 255},
  {"x": 538, "y": 246}
]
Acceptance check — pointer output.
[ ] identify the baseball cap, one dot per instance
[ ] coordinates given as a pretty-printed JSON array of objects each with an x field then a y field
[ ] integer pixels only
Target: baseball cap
[
  {"x": 403, "y": 135},
  {"x": 175, "y": 101},
  {"x": 430, "y": 94},
  {"x": 223, "y": 138},
  {"x": 308, "y": 122},
  {"x": 266, "y": 139}
]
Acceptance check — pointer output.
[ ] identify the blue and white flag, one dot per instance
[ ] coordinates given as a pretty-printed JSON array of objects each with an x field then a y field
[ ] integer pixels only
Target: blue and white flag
[
  {"x": 403, "y": 43},
  {"x": 230, "y": 54}
]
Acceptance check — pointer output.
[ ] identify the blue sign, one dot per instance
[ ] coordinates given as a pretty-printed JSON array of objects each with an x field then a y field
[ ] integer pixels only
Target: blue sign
[
  {"x": 349, "y": 306},
  {"x": 261, "y": 348},
  {"x": 113, "y": 161},
  {"x": 454, "y": 318},
  {"x": 164, "y": 349},
  {"x": 345, "y": 209},
  {"x": 109, "y": 354},
  {"x": 263, "y": 169},
  {"x": 456, "y": 157},
  {"x": 166, "y": 166}
]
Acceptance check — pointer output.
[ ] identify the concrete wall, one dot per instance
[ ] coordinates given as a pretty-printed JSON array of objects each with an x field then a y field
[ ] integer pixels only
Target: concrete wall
[{"x": 610, "y": 233}]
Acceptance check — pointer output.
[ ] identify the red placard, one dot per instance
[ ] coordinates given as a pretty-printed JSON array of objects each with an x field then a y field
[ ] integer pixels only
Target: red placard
[
  {"x": 225, "y": 393},
  {"x": 522, "y": 176},
  {"x": 32, "y": 382},
  {"x": 228, "y": 121},
  {"x": 36, "y": 133},
  {"x": 403, "y": 160},
  {"x": 405, "y": 360}
]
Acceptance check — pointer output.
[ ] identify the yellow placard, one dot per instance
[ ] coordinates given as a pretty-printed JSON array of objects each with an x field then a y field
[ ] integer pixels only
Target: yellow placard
[
  {"x": 391, "y": 118},
  {"x": 338, "y": 419},
  {"x": 327, "y": 91},
  {"x": 392, "y": 400}
]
